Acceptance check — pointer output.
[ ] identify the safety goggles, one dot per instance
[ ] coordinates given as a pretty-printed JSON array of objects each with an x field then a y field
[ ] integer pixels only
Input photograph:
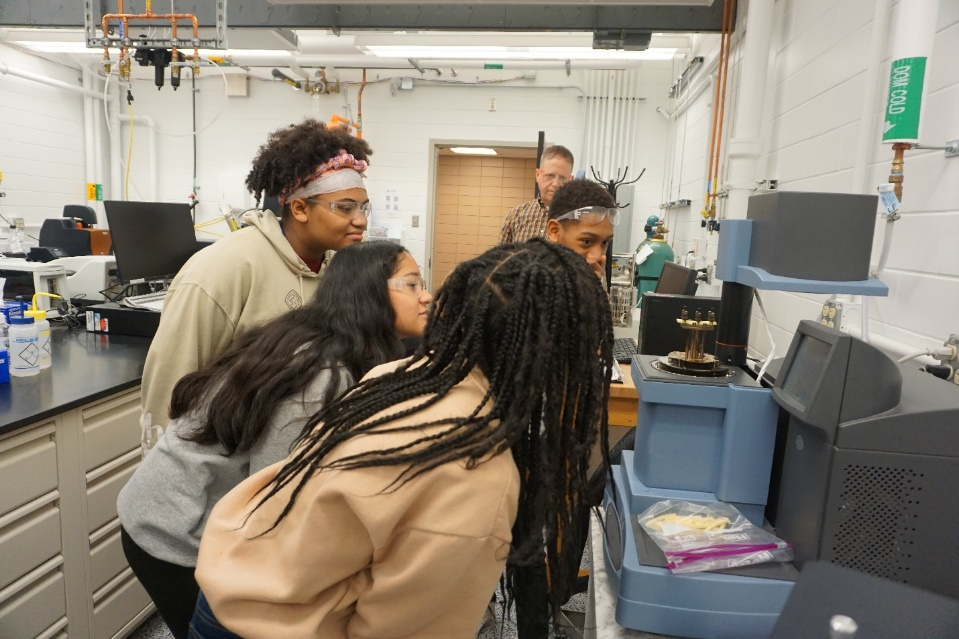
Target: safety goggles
[
  {"x": 410, "y": 285},
  {"x": 592, "y": 215},
  {"x": 349, "y": 209}
]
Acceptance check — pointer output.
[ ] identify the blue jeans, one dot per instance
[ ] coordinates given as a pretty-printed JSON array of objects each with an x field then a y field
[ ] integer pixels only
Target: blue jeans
[{"x": 204, "y": 624}]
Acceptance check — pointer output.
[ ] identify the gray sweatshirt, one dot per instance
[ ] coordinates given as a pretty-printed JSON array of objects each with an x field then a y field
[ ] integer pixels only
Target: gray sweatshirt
[{"x": 165, "y": 505}]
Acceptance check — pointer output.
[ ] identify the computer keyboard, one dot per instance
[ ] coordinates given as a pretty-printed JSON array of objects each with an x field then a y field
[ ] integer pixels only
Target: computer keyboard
[
  {"x": 150, "y": 301},
  {"x": 623, "y": 349}
]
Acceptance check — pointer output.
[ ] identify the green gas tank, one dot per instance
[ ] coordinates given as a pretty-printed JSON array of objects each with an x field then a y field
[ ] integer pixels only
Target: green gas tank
[{"x": 650, "y": 256}]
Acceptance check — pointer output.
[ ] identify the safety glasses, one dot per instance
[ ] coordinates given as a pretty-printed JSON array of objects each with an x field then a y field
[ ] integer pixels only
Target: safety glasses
[
  {"x": 592, "y": 215},
  {"x": 410, "y": 285},
  {"x": 348, "y": 209}
]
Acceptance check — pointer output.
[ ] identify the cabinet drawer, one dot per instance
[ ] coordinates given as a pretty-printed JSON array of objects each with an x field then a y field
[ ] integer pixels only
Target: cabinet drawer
[
  {"x": 106, "y": 555},
  {"x": 117, "y": 603},
  {"x": 104, "y": 485},
  {"x": 34, "y": 603},
  {"x": 110, "y": 428},
  {"x": 29, "y": 536},
  {"x": 28, "y": 466}
]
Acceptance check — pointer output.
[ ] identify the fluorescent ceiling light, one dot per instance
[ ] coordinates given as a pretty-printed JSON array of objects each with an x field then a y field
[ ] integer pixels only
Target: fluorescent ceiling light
[
  {"x": 495, "y": 53},
  {"x": 43, "y": 46},
  {"x": 472, "y": 150}
]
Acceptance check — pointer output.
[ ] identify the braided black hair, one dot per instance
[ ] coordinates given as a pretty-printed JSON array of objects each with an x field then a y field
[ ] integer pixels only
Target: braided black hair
[
  {"x": 576, "y": 194},
  {"x": 534, "y": 319},
  {"x": 293, "y": 153}
]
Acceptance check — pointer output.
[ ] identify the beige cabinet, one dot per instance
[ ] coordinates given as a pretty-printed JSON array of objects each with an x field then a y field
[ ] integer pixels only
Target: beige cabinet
[{"x": 62, "y": 569}]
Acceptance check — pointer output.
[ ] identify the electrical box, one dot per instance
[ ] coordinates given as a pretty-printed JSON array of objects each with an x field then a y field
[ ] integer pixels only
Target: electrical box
[{"x": 237, "y": 85}]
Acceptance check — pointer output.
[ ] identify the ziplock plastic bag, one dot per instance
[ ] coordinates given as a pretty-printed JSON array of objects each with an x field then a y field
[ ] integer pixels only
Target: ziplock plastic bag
[{"x": 697, "y": 537}]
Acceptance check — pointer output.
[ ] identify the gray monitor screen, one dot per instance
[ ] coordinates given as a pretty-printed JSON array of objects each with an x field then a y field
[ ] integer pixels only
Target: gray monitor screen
[
  {"x": 676, "y": 280},
  {"x": 803, "y": 375}
]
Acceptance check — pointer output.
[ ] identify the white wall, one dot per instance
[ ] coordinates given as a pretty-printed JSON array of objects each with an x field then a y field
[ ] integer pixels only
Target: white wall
[
  {"x": 400, "y": 128},
  {"x": 41, "y": 143},
  {"x": 819, "y": 62}
]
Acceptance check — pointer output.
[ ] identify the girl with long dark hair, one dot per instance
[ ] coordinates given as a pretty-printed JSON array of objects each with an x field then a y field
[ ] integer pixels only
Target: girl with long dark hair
[
  {"x": 243, "y": 411},
  {"x": 396, "y": 515}
]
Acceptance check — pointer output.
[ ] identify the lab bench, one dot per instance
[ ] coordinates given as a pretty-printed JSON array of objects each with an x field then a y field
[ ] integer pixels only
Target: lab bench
[{"x": 69, "y": 440}]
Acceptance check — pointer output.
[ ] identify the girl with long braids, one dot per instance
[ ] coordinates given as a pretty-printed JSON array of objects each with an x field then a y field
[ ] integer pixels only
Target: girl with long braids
[
  {"x": 267, "y": 268},
  {"x": 397, "y": 514},
  {"x": 242, "y": 412}
]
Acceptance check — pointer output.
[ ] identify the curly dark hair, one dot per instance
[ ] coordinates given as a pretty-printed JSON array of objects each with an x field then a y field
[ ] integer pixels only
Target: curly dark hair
[
  {"x": 293, "y": 153},
  {"x": 535, "y": 320},
  {"x": 576, "y": 194}
]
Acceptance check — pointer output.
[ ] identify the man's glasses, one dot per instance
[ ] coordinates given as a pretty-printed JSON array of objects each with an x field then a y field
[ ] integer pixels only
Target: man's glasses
[
  {"x": 410, "y": 285},
  {"x": 592, "y": 215},
  {"x": 553, "y": 177},
  {"x": 349, "y": 209}
]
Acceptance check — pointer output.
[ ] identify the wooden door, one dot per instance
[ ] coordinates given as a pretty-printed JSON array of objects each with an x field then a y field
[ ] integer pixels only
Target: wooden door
[{"x": 473, "y": 195}]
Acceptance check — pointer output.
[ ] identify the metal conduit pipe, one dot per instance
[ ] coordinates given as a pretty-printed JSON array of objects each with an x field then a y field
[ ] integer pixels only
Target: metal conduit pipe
[
  {"x": 42, "y": 79},
  {"x": 745, "y": 145}
]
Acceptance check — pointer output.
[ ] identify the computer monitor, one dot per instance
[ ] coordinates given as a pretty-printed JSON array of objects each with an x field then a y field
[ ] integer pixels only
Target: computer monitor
[
  {"x": 151, "y": 240},
  {"x": 676, "y": 280}
]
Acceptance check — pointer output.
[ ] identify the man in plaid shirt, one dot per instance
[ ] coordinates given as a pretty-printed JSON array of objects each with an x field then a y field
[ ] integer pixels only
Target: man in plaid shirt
[{"x": 528, "y": 220}]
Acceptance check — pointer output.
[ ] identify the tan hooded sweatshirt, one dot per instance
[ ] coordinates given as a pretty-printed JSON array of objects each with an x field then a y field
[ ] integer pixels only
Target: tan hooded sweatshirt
[
  {"x": 233, "y": 285},
  {"x": 358, "y": 557}
]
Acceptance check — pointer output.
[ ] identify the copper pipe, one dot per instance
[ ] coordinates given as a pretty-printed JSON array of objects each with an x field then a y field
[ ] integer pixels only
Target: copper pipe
[
  {"x": 359, "y": 107},
  {"x": 715, "y": 131},
  {"x": 124, "y": 18},
  {"x": 896, "y": 173},
  {"x": 728, "y": 29}
]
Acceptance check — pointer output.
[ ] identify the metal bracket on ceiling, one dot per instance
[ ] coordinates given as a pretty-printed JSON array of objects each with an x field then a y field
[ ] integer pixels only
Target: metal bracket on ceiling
[{"x": 627, "y": 39}]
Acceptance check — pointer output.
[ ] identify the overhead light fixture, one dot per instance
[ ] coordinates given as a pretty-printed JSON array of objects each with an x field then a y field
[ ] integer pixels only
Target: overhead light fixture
[
  {"x": 472, "y": 150},
  {"x": 515, "y": 53}
]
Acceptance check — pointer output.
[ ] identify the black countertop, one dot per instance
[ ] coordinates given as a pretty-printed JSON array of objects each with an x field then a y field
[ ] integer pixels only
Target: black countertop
[{"x": 86, "y": 367}]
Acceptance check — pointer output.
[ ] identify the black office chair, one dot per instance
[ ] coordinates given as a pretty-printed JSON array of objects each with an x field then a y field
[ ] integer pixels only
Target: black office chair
[{"x": 85, "y": 215}]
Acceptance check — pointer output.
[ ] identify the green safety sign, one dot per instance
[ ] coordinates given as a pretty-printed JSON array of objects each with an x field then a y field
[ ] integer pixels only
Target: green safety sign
[
  {"x": 490, "y": 65},
  {"x": 904, "y": 100}
]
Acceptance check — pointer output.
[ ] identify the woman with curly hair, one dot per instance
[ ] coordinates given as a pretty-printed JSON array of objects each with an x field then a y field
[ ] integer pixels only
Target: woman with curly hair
[
  {"x": 396, "y": 515},
  {"x": 271, "y": 266}
]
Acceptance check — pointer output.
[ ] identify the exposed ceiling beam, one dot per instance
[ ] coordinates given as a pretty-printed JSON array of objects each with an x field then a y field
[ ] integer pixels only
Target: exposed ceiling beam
[{"x": 518, "y": 16}]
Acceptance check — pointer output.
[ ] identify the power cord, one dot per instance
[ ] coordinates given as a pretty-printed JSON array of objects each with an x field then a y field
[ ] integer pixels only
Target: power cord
[{"x": 946, "y": 352}]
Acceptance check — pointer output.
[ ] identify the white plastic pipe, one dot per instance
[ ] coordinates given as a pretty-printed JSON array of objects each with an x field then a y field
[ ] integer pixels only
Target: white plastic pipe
[
  {"x": 148, "y": 122},
  {"x": 870, "y": 99},
  {"x": 90, "y": 155},
  {"x": 42, "y": 79},
  {"x": 745, "y": 145},
  {"x": 116, "y": 151},
  {"x": 695, "y": 92},
  {"x": 914, "y": 35}
]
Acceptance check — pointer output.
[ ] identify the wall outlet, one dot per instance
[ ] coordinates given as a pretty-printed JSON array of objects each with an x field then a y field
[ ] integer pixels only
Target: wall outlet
[
  {"x": 492, "y": 104},
  {"x": 415, "y": 223},
  {"x": 18, "y": 223},
  {"x": 842, "y": 313}
]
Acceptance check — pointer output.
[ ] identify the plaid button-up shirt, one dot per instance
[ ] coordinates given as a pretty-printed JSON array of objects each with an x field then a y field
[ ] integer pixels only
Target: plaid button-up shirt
[{"x": 528, "y": 220}]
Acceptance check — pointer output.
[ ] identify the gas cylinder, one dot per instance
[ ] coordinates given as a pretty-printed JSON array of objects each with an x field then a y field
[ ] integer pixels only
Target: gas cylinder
[{"x": 650, "y": 255}]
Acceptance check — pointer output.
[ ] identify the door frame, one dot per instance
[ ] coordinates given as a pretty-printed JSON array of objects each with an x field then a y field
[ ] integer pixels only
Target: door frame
[{"x": 434, "y": 151}]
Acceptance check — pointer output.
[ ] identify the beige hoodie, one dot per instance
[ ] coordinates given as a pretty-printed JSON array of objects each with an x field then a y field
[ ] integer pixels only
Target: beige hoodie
[
  {"x": 356, "y": 559},
  {"x": 237, "y": 283}
]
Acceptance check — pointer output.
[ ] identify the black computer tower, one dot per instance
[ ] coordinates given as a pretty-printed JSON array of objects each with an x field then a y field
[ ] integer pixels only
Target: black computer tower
[{"x": 660, "y": 334}]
